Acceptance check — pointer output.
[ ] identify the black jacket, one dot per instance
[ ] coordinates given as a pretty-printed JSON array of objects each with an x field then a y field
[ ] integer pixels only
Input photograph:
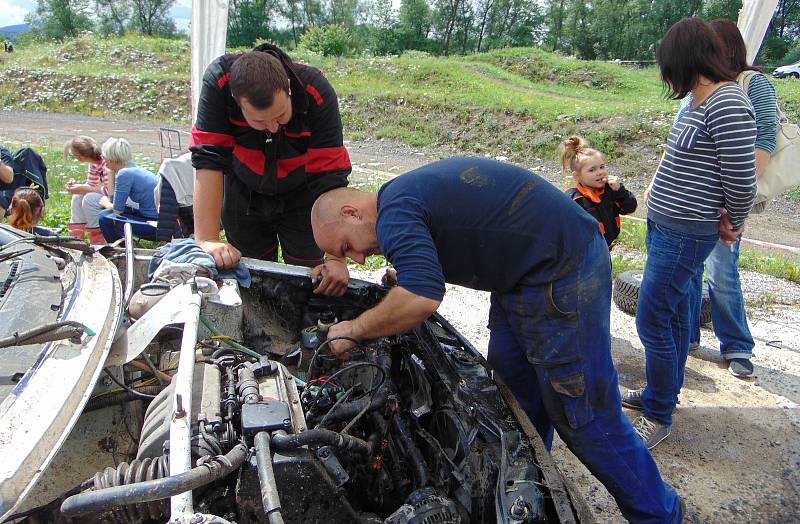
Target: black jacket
[
  {"x": 306, "y": 155},
  {"x": 605, "y": 206}
]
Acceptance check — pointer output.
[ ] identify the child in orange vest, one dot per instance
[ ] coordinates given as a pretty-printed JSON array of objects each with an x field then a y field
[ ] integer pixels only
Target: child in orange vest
[{"x": 602, "y": 195}]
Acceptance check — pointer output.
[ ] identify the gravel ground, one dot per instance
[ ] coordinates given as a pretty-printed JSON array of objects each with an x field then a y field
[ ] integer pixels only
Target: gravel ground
[{"x": 734, "y": 451}]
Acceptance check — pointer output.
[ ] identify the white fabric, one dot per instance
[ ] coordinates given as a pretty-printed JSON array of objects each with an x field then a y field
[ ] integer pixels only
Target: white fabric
[
  {"x": 180, "y": 175},
  {"x": 754, "y": 18},
  {"x": 209, "y": 29}
]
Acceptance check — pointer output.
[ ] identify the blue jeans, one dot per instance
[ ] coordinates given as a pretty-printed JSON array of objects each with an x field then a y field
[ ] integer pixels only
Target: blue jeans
[
  {"x": 728, "y": 314},
  {"x": 112, "y": 225},
  {"x": 551, "y": 345},
  {"x": 663, "y": 314}
]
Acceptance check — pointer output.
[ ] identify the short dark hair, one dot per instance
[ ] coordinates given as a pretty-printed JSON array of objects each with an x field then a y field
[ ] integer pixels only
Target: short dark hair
[
  {"x": 257, "y": 76},
  {"x": 733, "y": 47},
  {"x": 691, "y": 48}
]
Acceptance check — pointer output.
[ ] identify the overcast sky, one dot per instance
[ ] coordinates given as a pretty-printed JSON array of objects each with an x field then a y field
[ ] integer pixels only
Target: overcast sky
[{"x": 13, "y": 12}]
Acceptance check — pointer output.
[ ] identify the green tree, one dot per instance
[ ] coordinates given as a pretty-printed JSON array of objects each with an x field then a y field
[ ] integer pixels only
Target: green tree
[
  {"x": 60, "y": 18},
  {"x": 414, "y": 24},
  {"x": 113, "y": 16},
  {"x": 151, "y": 17},
  {"x": 249, "y": 20}
]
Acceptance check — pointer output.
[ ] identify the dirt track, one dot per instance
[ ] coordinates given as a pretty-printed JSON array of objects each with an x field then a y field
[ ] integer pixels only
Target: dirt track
[
  {"x": 372, "y": 160},
  {"x": 735, "y": 449}
]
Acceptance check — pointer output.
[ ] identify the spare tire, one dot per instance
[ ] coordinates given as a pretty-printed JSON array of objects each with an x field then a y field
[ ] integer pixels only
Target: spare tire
[{"x": 625, "y": 293}]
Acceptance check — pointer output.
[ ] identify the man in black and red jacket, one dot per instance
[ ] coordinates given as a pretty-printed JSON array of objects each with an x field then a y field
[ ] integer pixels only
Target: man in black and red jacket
[{"x": 268, "y": 136}]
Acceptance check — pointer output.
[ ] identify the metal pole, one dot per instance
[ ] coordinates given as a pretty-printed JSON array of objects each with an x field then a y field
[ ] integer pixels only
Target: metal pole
[{"x": 180, "y": 430}]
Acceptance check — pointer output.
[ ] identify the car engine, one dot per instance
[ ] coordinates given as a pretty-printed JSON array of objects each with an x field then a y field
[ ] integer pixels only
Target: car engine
[{"x": 411, "y": 429}]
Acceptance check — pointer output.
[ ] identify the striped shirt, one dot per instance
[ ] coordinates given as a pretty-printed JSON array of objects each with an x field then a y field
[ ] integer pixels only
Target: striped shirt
[
  {"x": 762, "y": 95},
  {"x": 709, "y": 164},
  {"x": 97, "y": 175}
]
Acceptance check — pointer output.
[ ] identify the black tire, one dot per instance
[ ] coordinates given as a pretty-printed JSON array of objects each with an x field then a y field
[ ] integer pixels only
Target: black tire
[
  {"x": 795, "y": 75},
  {"x": 625, "y": 294}
]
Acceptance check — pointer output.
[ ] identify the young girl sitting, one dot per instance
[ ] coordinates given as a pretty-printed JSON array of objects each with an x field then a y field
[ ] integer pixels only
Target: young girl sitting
[
  {"x": 86, "y": 197},
  {"x": 25, "y": 211},
  {"x": 602, "y": 196}
]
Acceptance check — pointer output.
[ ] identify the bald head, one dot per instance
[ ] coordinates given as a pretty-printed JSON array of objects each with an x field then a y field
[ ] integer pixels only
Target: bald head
[{"x": 343, "y": 222}]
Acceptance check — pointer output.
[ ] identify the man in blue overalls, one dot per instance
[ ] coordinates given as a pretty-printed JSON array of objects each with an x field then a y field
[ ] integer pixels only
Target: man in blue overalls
[{"x": 496, "y": 227}]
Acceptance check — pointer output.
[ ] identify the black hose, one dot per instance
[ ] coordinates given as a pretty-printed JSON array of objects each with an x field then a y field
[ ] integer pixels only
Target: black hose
[
  {"x": 103, "y": 499},
  {"x": 266, "y": 478},
  {"x": 282, "y": 440},
  {"x": 120, "y": 398},
  {"x": 413, "y": 454},
  {"x": 348, "y": 410},
  {"x": 137, "y": 394},
  {"x": 47, "y": 333}
]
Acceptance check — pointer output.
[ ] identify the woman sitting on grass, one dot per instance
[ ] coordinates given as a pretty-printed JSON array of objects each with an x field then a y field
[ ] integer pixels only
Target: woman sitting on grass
[
  {"x": 86, "y": 197},
  {"x": 132, "y": 188}
]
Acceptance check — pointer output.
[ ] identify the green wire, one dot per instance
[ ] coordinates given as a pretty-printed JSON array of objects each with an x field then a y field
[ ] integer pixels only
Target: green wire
[{"x": 228, "y": 340}]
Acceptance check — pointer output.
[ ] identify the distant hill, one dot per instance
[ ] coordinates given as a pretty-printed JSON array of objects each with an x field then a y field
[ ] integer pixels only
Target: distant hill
[{"x": 11, "y": 31}]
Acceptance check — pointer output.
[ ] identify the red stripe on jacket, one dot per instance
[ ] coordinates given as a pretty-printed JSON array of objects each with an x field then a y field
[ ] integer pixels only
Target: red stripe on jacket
[
  {"x": 207, "y": 138},
  {"x": 317, "y": 97},
  {"x": 301, "y": 134},
  {"x": 327, "y": 159},
  {"x": 288, "y": 165},
  {"x": 223, "y": 80},
  {"x": 252, "y": 158},
  {"x": 238, "y": 122}
]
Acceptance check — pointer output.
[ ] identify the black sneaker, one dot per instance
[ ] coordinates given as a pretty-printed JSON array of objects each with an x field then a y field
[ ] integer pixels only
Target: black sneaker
[
  {"x": 740, "y": 367},
  {"x": 632, "y": 399}
]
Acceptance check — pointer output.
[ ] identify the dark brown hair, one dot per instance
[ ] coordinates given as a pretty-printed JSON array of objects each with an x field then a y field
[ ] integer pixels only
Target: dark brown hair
[
  {"x": 257, "y": 76},
  {"x": 733, "y": 47},
  {"x": 691, "y": 48},
  {"x": 26, "y": 209}
]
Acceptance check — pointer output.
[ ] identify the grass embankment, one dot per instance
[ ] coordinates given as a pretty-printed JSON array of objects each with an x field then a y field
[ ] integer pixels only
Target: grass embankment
[{"x": 517, "y": 103}]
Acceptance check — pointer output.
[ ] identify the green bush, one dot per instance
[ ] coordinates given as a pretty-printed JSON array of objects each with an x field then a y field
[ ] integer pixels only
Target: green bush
[
  {"x": 328, "y": 40},
  {"x": 791, "y": 57}
]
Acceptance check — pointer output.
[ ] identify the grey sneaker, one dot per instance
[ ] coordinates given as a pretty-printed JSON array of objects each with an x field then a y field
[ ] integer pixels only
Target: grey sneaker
[
  {"x": 632, "y": 399},
  {"x": 694, "y": 346},
  {"x": 651, "y": 432},
  {"x": 740, "y": 367}
]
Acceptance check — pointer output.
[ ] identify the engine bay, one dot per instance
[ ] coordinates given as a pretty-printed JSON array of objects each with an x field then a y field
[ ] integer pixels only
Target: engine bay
[{"x": 411, "y": 429}]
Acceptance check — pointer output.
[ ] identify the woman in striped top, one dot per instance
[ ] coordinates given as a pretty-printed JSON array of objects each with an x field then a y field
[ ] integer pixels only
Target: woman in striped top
[
  {"x": 722, "y": 266},
  {"x": 709, "y": 165},
  {"x": 86, "y": 197}
]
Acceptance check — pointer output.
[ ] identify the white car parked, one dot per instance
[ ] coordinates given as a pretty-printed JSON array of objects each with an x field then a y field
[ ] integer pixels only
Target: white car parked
[{"x": 792, "y": 70}]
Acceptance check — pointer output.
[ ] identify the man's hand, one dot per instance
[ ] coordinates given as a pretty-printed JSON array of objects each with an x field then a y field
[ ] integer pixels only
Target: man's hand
[
  {"x": 341, "y": 348},
  {"x": 225, "y": 255},
  {"x": 6, "y": 174},
  {"x": 727, "y": 233},
  {"x": 389, "y": 278},
  {"x": 105, "y": 203},
  {"x": 332, "y": 277}
]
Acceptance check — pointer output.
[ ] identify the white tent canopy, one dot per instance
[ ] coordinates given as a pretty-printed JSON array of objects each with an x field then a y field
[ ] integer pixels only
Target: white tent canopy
[
  {"x": 754, "y": 18},
  {"x": 209, "y": 30}
]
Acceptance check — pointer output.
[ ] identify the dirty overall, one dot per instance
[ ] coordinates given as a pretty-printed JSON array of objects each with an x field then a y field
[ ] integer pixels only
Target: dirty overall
[{"x": 551, "y": 345}]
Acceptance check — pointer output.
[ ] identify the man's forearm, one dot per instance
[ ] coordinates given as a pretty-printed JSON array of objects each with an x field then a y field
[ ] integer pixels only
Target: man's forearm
[
  {"x": 6, "y": 174},
  {"x": 399, "y": 311},
  {"x": 762, "y": 159},
  {"x": 208, "y": 187}
]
